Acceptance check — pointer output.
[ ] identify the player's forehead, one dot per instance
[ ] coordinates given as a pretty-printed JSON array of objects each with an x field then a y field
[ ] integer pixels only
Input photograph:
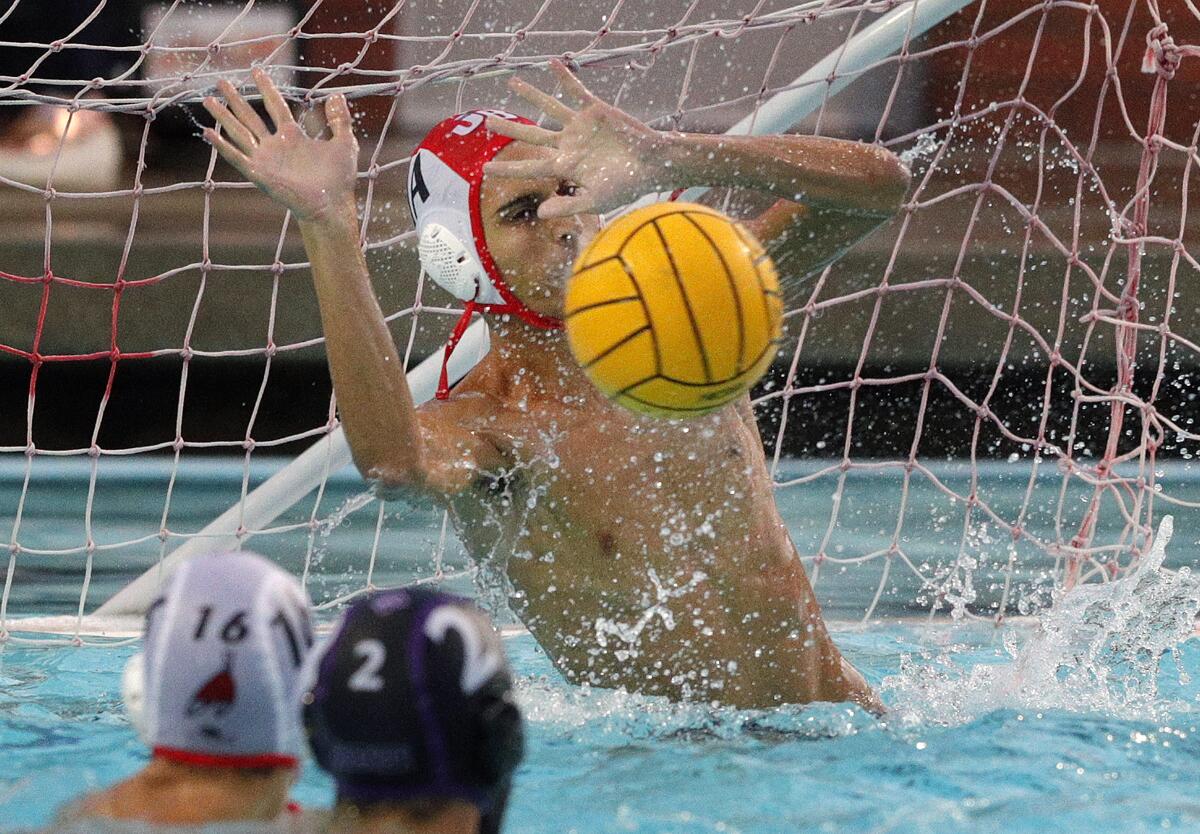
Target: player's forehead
[{"x": 496, "y": 192}]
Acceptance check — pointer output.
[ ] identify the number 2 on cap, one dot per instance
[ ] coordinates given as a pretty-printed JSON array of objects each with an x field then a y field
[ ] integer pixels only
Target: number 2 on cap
[
  {"x": 480, "y": 661},
  {"x": 366, "y": 678}
]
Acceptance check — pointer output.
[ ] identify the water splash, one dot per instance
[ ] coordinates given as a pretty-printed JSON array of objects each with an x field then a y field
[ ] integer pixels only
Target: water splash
[
  {"x": 326, "y": 525},
  {"x": 342, "y": 513},
  {"x": 1098, "y": 649},
  {"x": 618, "y": 716},
  {"x": 631, "y": 633},
  {"x": 925, "y": 146}
]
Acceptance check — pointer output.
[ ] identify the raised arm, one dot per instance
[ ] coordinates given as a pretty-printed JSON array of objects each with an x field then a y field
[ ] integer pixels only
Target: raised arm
[
  {"x": 832, "y": 191},
  {"x": 315, "y": 179}
]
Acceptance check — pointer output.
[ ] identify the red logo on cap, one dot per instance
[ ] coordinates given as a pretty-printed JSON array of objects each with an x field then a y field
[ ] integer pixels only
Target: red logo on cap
[{"x": 218, "y": 693}]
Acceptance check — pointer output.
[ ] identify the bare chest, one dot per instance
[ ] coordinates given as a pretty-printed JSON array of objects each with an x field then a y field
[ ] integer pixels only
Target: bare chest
[{"x": 598, "y": 489}]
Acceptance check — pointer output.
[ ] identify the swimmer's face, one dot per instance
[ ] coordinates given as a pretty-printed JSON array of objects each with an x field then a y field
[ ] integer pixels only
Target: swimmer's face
[{"x": 533, "y": 255}]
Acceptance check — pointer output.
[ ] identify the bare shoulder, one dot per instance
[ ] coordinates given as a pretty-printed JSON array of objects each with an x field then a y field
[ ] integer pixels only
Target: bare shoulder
[
  {"x": 476, "y": 398},
  {"x": 462, "y": 435},
  {"x": 104, "y": 804}
]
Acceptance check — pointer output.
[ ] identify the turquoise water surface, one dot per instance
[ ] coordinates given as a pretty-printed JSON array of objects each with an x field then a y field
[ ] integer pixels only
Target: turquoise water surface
[
  {"x": 607, "y": 762},
  {"x": 992, "y": 729}
]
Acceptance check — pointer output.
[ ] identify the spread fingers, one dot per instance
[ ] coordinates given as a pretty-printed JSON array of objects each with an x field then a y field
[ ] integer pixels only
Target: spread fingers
[
  {"x": 227, "y": 150},
  {"x": 543, "y": 101},
  {"x": 277, "y": 108},
  {"x": 243, "y": 111},
  {"x": 571, "y": 85},
  {"x": 337, "y": 114},
  {"x": 532, "y": 134},
  {"x": 237, "y": 132}
]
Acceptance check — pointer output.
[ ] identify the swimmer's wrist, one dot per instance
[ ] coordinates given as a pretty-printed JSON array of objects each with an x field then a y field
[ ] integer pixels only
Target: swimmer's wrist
[
  {"x": 338, "y": 212},
  {"x": 683, "y": 160}
]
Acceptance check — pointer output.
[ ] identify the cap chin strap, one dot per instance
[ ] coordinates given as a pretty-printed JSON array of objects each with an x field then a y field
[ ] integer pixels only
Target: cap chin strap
[
  {"x": 460, "y": 327},
  {"x": 454, "y": 267}
]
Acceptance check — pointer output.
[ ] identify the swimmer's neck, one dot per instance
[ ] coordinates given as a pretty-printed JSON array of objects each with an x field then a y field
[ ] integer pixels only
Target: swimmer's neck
[
  {"x": 545, "y": 356},
  {"x": 172, "y": 793},
  {"x": 451, "y": 818}
]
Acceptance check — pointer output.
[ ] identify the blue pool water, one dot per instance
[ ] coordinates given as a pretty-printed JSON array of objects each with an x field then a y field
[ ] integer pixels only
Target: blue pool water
[
  {"x": 128, "y": 503},
  {"x": 968, "y": 746},
  {"x": 606, "y": 762}
]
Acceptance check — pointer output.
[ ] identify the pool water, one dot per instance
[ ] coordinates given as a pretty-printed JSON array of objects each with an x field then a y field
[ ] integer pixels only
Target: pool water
[
  {"x": 602, "y": 761},
  {"x": 1073, "y": 726},
  {"x": 331, "y": 548}
]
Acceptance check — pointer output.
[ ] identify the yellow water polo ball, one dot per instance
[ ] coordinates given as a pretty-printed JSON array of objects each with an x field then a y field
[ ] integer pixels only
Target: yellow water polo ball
[{"x": 674, "y": 310}]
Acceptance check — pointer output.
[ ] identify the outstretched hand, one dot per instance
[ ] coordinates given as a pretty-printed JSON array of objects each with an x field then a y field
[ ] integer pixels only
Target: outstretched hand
[
  {"x": 310, "y": 176},
  {"x": 609, "y": 155}
]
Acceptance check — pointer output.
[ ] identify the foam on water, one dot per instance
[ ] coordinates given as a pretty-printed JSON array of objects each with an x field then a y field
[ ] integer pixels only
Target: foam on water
[
  {"x": 1099, "y": 648},
  {"x": 621, "y": 717}
]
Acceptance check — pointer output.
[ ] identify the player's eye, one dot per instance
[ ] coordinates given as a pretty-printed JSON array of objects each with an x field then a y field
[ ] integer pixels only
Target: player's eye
[
  {"x": 567, "y": 189},
  {"x": 523, "y": 210}
]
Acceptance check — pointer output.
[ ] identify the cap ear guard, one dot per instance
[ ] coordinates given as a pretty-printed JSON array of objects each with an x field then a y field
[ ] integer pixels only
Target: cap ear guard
[
  {"x": 449, "y": 262},
  {"x": 133, "y": 694},
  {"x": 501, "y": 734}
]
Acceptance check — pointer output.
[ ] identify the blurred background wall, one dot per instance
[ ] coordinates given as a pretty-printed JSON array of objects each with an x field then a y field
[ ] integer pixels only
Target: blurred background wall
[{"x": 165, "y": 272}]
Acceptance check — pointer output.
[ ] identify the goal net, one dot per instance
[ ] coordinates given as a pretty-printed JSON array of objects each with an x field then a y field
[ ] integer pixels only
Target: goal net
[{"x": 991, "y": 397}]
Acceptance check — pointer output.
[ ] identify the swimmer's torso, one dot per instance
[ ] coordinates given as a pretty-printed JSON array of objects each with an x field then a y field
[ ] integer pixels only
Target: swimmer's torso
[{"x": 644, "y": 552}]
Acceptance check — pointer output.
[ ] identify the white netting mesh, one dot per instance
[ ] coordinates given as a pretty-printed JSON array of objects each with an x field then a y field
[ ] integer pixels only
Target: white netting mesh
[{"x": 974, "y": 403}]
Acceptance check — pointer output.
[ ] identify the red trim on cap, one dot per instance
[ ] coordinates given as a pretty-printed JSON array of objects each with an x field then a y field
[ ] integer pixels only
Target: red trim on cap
[
  {"x": 190, "y": 757},
  {"x": 467, "y": 154},
  {"x": 512, "y": 304}
]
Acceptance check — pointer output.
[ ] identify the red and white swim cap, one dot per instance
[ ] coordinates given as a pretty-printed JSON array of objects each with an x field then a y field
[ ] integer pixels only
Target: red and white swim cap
[
  {"x": 444, "y": 180},
  {"x": 218, "y": 680}
]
